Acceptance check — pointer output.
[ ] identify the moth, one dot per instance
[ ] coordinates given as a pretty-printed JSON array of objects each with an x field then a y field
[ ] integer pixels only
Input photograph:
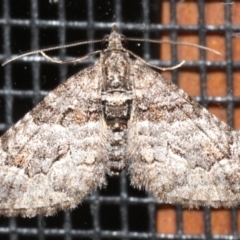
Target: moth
[{"x": 116, "y": 114}]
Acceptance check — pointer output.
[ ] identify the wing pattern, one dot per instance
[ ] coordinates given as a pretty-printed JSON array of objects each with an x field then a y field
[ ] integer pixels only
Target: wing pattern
[
  {"x": 55, "y": 155},
  {"x": 177, "y": 150}
]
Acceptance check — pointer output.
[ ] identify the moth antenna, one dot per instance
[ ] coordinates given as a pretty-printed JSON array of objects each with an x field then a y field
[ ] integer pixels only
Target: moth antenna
[
  {"x": 50, "y": 49},
  {"x": 174, "y": 43},
  {"x": 154, "y": 66},
  {"x": 69, "y": 61}
]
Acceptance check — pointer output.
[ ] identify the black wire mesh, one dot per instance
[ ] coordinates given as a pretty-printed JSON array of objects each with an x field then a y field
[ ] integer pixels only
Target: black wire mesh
[{"x": 119, "y": 211}]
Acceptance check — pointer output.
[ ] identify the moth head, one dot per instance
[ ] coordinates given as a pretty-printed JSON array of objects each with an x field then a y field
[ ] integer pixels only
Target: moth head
[{"x": 115, "y": 39}]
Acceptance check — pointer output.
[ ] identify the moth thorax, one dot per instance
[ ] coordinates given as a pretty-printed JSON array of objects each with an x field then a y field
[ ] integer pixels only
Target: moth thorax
[{"x": 115, "y": 69}]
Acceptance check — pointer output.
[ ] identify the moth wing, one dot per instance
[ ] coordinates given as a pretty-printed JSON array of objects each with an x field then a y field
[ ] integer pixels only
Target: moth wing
[
  {"x": 55, "y": 155},
  {"x": 178, "y": 151}
]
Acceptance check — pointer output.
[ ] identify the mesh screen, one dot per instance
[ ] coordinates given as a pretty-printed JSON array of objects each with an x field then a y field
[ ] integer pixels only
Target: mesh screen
[{"x": 118, "y": 211}]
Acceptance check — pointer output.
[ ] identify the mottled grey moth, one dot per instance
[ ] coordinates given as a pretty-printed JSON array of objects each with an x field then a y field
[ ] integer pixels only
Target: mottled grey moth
[{"x": 117, "y": 114}]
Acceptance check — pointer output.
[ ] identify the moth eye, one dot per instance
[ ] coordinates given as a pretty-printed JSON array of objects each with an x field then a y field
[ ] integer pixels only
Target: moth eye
[
  {"x": 124, "y": 42},
  {"x": 105, "y": 41}
]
